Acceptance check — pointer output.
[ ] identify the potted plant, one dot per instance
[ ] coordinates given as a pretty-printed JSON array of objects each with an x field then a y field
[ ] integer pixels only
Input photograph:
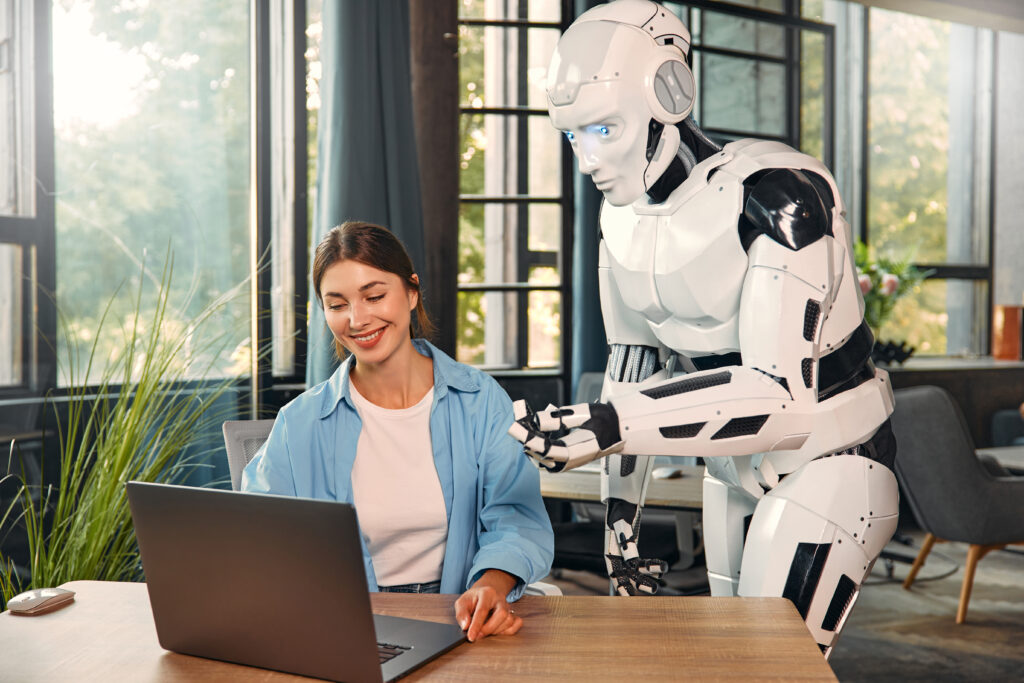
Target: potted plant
[
  {"x": 883, "y": 282},
  {"x": 136, "y": 422}
]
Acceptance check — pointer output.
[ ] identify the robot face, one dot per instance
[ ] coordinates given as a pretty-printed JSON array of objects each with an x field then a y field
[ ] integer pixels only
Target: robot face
[
  {"x": 603, "y": 85},
  {"x": 607, "y": 128}
]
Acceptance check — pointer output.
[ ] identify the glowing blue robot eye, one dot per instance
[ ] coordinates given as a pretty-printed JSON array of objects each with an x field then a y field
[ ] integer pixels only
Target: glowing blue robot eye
[
  {"x": 603, "y": 130},
  {"x": 570, "y": 137}
]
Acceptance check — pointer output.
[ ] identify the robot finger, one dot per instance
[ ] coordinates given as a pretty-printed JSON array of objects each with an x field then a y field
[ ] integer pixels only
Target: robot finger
[
  {"x": 519, "y": 432},
  {"x": 553, "y": 419},
  {"x": 627, "y": 581},
  {"x": 652, "y": 568},
  {"x": 521, "y": 410},
  {"x": 646, "y": 584}
]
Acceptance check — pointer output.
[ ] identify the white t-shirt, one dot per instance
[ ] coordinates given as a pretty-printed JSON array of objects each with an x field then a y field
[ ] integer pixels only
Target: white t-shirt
[{"x": 397, "y": 492}]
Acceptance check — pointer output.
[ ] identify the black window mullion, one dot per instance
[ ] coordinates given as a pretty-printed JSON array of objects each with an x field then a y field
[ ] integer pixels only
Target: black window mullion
[
  {"x": 793, "y": 81},
  {"x": 522, "y": 141}
]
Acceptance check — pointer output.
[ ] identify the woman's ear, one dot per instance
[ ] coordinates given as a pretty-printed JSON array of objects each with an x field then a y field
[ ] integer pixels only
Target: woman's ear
[{"x": 414, "y": 293}]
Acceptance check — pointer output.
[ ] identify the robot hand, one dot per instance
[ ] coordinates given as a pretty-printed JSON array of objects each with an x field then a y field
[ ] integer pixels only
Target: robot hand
[
  {"x": 565, "y": 438},
  {"x": 631, "y": 574}
]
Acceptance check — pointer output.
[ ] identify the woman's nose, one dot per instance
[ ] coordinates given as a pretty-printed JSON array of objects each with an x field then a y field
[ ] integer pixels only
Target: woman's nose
[{"x": 357, "y": 316}]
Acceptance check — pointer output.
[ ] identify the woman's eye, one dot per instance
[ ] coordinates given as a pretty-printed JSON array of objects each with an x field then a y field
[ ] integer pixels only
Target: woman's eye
[
  {"x": 375, "y": 298},
  {"x": 337, "y": 307}
]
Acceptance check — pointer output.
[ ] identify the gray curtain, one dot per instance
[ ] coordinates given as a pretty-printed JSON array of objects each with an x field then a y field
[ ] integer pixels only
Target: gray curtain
[{"x": 366, "y": 147}]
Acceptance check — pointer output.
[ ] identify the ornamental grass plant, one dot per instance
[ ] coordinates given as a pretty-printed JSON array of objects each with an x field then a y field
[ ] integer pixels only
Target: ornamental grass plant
[{"x": 142, "y": 420}]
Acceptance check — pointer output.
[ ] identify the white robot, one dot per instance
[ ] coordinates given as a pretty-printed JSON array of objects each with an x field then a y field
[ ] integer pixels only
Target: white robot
[{"x": 734, "y": 266}]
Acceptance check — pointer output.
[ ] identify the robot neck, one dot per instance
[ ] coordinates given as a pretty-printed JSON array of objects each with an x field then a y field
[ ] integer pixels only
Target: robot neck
[{"x": 694, "y": 147}]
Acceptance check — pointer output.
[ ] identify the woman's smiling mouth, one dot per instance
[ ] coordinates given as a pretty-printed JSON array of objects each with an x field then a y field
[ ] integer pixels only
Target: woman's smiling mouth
[{"x": 368, "y": 340}]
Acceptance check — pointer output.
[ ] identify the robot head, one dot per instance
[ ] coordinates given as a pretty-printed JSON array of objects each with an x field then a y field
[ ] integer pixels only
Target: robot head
[{"x": 617, "y": 85}]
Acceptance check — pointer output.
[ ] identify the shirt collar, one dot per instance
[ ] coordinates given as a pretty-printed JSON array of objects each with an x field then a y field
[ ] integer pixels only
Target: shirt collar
[{"x": 448, "y": 374}]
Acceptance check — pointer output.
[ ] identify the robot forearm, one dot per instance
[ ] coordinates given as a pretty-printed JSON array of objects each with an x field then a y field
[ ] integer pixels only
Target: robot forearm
[{"x": 740, "y": 411}]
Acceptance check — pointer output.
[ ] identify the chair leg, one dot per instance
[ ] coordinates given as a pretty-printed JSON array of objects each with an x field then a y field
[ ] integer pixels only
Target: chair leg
[
  {"x": 926, "y": 548},
  {"x": 974, "y": 554}
]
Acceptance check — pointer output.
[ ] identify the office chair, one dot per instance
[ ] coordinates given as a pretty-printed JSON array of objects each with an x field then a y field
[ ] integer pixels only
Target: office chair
[
  {"x": 1007, "y": 427},
  {"x": 242, "y": 438},
  {"x": 954, "y": 495}
]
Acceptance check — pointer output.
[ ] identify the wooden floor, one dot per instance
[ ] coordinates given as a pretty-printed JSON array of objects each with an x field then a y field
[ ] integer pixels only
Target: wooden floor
[{"x": 899, "y": 635}]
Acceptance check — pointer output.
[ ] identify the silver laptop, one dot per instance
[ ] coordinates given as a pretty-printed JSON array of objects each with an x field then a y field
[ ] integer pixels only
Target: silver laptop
[{"x": 271, "y": 581}]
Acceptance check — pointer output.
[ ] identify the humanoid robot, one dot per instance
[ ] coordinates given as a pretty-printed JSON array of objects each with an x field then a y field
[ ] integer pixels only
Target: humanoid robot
[{"x": 734, "y": 267}]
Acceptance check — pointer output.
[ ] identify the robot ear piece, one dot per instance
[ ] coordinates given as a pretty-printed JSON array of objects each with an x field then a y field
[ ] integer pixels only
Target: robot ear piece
[{"x": 670, "y": 91}]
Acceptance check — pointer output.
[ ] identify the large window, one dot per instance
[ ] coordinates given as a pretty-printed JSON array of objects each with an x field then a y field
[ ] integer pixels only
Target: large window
[
  {"x": 142, "y": 142},
  {"x": 762, "y": 71},
  {"x": 928, "y": 172},
  {"x": 918, "y": 176},
  {"x": 152, "y": 122},
  {"x": 515, "y": 191}
]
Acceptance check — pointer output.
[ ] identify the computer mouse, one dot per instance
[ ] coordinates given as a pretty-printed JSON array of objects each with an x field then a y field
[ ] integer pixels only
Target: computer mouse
[
  {"x": 40, "y": 601},
  {"x": 666, "y": 473}
]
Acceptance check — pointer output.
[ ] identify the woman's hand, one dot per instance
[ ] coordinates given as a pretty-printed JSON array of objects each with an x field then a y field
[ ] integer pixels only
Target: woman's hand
[{"x": 483, "y": 611}]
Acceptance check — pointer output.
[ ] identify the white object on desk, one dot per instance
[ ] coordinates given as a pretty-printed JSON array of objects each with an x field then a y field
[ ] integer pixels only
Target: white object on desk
[{"x": 40, "y": 601}]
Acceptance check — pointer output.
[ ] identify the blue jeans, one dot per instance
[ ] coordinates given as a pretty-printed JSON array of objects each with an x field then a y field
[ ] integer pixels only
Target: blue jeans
[{"x": 432, "y": 587}]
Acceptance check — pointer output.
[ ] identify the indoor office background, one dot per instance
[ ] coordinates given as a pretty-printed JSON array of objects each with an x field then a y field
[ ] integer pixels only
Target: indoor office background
[{"x": 168, "y": 166}]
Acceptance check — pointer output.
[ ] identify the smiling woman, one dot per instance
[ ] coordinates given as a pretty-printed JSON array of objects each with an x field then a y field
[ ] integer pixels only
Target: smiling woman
[{"x": 446, "y": 500}]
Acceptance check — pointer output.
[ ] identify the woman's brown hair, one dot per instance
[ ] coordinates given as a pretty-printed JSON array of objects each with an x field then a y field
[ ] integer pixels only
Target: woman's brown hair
[{"x": 374, "y": 246}]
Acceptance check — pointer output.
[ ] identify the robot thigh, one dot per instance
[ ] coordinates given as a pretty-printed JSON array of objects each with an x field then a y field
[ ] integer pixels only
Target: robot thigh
[{"x": 814, "y": 538}]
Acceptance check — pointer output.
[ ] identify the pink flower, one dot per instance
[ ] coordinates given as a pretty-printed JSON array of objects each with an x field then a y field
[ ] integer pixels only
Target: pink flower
[
  {"x": 889, "y": 284},
  {"x": 865, "y": 283}
]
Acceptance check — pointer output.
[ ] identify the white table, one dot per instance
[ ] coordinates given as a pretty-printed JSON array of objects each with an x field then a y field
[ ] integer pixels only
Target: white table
[{"x": 1010, "y": 457}]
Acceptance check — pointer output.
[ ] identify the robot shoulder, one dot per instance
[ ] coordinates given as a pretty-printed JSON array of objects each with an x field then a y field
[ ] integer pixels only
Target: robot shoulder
[{"x": 792, "y": 206}]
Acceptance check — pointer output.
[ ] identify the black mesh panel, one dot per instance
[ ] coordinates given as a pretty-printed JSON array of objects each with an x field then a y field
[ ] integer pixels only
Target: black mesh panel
[
  {"x": 682, "y": 431},
  {"x": 811, "y": 313},
  {"x": 807, "y": 369},
  {"x": 741, "y": 426},
  {"x": 687, "y": 384},
  {"x": 840, "y": 603}
]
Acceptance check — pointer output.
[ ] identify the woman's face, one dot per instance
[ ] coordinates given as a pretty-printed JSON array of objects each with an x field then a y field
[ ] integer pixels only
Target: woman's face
[{"x": 369, "y": 311}]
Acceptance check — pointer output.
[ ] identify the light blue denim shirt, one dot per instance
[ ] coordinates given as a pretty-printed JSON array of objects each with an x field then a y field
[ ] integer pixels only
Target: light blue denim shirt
[{"x": 496, "y": 518}]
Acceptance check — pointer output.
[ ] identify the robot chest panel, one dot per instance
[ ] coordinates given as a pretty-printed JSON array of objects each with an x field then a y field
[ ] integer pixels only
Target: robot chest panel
[{"x": 683, "y": 268}]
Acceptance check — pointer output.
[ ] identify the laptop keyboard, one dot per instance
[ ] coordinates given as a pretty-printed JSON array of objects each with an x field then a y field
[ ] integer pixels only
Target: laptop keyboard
[{"x": 388, "y": 652}]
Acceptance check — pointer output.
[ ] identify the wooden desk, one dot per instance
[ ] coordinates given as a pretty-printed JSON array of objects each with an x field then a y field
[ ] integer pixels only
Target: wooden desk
[
  {"x": 684, "y": 493},
  {"x": 107, "y": 634}
]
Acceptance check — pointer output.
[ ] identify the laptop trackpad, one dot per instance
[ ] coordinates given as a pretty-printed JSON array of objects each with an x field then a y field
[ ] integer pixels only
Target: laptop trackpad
[{"x": 410, "y": 642}]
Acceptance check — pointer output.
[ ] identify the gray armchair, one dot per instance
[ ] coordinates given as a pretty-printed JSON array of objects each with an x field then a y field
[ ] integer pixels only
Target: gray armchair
[{"x": 954, "y": 495}]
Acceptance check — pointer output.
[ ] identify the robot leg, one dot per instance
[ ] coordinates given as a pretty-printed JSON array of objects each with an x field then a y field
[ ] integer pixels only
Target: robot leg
[
  {"x": 814, "y": 538},
  {"x": 727, "y": 514}
]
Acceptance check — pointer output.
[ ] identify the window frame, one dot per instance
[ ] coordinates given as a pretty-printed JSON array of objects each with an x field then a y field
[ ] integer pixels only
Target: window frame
[
  {"x": 36, "y": 234},
  {"x": 793, "y": 24},
  {"x": 525, "y": 257}
]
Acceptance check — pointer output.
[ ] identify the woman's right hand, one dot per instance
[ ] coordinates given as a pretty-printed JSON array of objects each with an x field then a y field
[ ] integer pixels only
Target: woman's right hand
[{"x": 483, "y": 611}]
